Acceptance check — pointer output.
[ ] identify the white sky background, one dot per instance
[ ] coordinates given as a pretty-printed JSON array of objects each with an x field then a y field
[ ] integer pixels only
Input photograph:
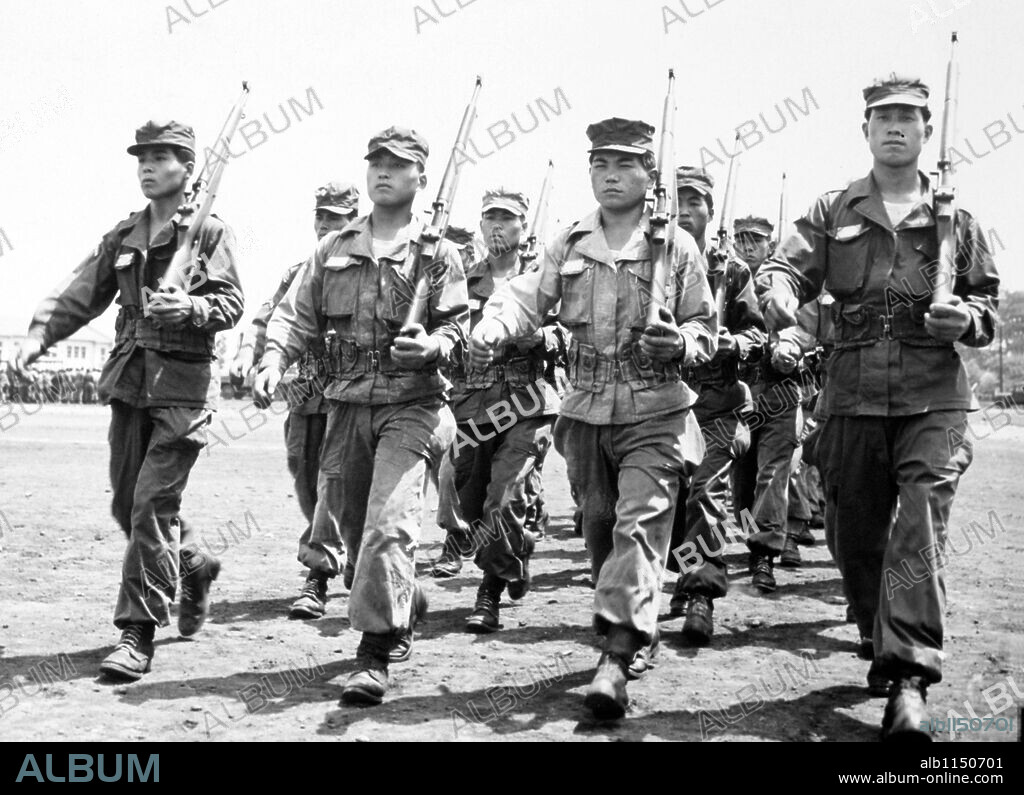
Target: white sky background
[{"x": 78, "y": 78}]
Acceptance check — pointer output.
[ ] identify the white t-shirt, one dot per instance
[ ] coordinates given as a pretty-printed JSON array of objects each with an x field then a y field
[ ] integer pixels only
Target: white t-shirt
[{"x": 898, "y": 211}]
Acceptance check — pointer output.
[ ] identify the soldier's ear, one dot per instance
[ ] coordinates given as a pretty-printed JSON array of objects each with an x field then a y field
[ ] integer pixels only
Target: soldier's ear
[
  {"x": 928, "y": 130},
  {"x": 422, "y": 183},
  {"x": 864, "y": 129}
]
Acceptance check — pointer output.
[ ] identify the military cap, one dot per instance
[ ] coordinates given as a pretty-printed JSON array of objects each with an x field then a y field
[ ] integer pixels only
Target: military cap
[
  {"x": 753, "y": 225},
  {"x": 338, "y": 197},
  {"x": 896, "y": 90},
  {"x": 401, "y": 142},
  {"x": 163, "y": 133},
  {"x": 502, "y": 199},
  {"x": 458, "y": 235},
  {"x": 621, "y": 135},
  {"x": 696, "y": 178}
]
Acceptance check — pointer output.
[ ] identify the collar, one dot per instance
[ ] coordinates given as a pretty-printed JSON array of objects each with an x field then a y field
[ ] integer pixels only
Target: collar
[
  {"x": 589, "y": 239},
  {"x": 865, "y": 197},
  {"x": 359, "y": 237}
]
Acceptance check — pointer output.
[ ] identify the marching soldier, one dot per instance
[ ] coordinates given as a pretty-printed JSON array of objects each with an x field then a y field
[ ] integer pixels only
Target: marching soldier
[
  {"x": 626, "y": 430},
  {"x": 697, "y": 538},
  {"x": 387, "y": 420},
  {"x": 505, "y": 414},
  {"x": 336, "y": 203},
  {"x": 159, "y": 383},
  {"x": 761, "y": 476},
  {"x": 897, "y": 392}
]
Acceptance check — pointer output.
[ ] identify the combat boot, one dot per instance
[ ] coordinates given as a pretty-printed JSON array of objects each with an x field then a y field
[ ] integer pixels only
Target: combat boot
[
  {"x": 133, "y": 654},
  {"x": 677, "y": 605},
  {"x": 312, "y": 601},
  {"x": 790, "y": 557},
  {"x": 803, "y": 535},
  {"x": 449, "y": 564},
  {"x": 699, "y": 624},
  {"x": 606, "y": 697},
  {"x": 519, "y": 588},
  {"x": 906, "y": 711},
  {"x": 878, "y": 683},
  {"x": 402, "y": 649},
  {"x": 199, "y": 573},
  {"x": 368, "y": 685},
  {"x": 484, "y": 618},
  {"x": 645, "y": 658},
  {"x": 763, "y": 570}
]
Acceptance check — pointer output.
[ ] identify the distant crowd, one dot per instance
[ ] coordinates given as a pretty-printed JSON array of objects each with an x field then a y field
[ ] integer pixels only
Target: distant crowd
[{"x": 59, "y": 386}]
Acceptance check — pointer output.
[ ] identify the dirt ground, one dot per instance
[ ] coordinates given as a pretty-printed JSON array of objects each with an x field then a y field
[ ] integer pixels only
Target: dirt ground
[{"x": 781, "y": 667}]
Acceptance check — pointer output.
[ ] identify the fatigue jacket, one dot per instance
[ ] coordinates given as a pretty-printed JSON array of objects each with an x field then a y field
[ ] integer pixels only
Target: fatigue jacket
[
  {"x": 604, "y": 307},
  {"x": 306, "y": 392},
  {"x": 361, "y": 303},
  {"x": 884, "y": 362},
  {"x": 150, "y": 365},
  {"x": 719, "y": 389},
  {"x": 525, "y": 382}
]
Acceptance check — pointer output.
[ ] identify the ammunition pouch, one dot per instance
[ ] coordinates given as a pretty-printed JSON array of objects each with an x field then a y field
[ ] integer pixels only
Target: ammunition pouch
[
  {"x": 861, "y": 325},
  {"x": 350, "y": 360},
  {"x": 132, "y": 325},
  {"x": 590, "y": 371}
]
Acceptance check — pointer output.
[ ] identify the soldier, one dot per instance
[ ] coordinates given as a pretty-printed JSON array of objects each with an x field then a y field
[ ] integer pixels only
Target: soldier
[
  {"x": 89, "y": 387},
  {"x": 897, "y": 391},
  {"x": 336, "y": 204},
  {"x": 158, "y": 382},
  {"x": 761, "y": 476},
  {"x": 505, "y": 415},
  {"x": 697, "y": 538},
  {"x": 387, "y": 420},
  {"x": 626, "y": 430}
]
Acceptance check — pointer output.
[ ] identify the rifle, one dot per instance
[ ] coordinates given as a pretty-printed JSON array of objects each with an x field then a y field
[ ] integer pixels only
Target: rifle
[
  {"x": 540, "y": 217},
  {"x": 665, "y": 210},
  {"x": 945, "y": 191},
  {"x": 723, "y": 245},
  {"x": 199, "y": 201},
  {"x": 426, "y": 246},
  {"x": 782, "y": 212}
]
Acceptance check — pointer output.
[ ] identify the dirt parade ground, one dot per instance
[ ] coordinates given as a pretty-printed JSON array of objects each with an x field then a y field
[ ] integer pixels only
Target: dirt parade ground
[{"x": 781, "y": 667}]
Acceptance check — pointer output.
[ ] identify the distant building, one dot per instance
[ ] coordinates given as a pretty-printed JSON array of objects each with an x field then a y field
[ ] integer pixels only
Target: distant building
[{"x": 86, "y": 349}]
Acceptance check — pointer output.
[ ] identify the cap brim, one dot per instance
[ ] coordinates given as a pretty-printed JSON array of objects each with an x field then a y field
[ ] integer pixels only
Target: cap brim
[
  {"x": 396, "y": 151},
  {"x": 508, "y": 207},
  {"x": 632, "y": 150},
  {"x": 702, "y": 189},
  {"x": 913, "y": 100},
  {"x": 134, "y": 149},
  {"x": 758, "y": 232},
  {"x": 336, "y": 210}
]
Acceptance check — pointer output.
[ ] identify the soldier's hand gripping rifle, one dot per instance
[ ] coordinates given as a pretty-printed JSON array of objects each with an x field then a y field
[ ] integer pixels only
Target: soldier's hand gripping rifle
[
  {"x": 199, "y": 201},
  {"x": 723, "y": 245},
  {"x": 666, "y": 200},
  {"x": 426, "y": 246},
  {"x": 945, "y": 191},
  {"x": 535, "y": 238}
]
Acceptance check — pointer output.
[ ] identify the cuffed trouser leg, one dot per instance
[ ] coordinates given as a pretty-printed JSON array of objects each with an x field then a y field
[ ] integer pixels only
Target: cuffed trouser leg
[
  {"x": 628, "y": 477},
  {"x": 775, "y": 445},
  {"x": 508, "y": 460},
  {"x": 151, "y": 561}
]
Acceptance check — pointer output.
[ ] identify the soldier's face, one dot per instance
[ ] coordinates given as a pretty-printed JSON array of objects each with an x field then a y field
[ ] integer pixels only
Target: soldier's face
[
  {"x": 325, "y": 221},
  {"x": 694, "y": 213},
  {"x": 896, "y": 134},
  {"x": 392, "y": 181},
  {"x": 161, "y": 175},
  {"x": 753, "y": 249},
  {"x": 502, "y": 231},
  {"x": 618, "y": 179}
]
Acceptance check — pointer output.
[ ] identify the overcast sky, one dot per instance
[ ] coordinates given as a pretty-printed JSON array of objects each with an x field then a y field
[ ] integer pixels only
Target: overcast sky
[{"x": 78, "y": 78}]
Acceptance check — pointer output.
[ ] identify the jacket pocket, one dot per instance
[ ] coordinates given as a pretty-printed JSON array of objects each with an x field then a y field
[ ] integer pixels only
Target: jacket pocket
[
  {"x": 849, "y": 252},
  {"x": 639, "y": 279},
  {"x": 577, "y": 277},
  {"x": 341, "y": 286}
]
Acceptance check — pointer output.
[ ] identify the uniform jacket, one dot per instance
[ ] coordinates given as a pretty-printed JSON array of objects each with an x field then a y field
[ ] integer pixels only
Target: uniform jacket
[
  {"x": 884, "y": 362},
  {"x": 361, "y": 303},
  {"x": 150, "y": 365},
  {"x": 604, "y": 307},
  {"x": 528, "y": 376}
]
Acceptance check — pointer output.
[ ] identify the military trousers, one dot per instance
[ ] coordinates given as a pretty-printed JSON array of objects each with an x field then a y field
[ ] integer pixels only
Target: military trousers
[
  {"x": 152, "y": 451},
  {"x": 761, "y": 477},
  {"x": 371, "y": 492},
  {"x": 485, "y": 498},
  {"x": 889, "y": 487},
  {"x": 627, "y": 479},
  {"x": 698, "y": 528},
  {"x": 304, "y": 439}
]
